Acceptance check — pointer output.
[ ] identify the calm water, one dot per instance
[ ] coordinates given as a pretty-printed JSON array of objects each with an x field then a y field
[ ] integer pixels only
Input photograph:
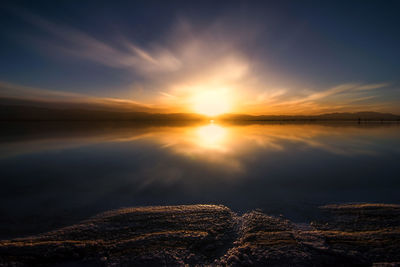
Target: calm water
[{"x": 54, "y": 174}]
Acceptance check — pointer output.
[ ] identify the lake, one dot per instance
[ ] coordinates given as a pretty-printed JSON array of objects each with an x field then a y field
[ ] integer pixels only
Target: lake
[{"x": 56, "y": 173}]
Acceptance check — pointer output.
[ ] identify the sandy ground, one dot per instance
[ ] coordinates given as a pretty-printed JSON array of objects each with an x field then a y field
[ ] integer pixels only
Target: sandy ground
[{"x": 347, "y": 235}]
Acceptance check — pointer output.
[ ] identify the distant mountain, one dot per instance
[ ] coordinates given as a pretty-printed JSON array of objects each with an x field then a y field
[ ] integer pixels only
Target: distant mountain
[
  {"x": 17, "y": 109},
  {"x": 363, "y": 116},
  {"x": 11, "y": 113},
  {"x": 21, "y": 110}
]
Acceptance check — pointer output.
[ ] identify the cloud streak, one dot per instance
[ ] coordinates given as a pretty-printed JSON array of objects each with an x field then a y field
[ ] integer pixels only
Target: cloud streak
[
  {"x": 74, "y": 42},
  {"x": 189, "y": 59},
  {"x": 11, "y": 92},
  {"x": 340, "y": 98}
]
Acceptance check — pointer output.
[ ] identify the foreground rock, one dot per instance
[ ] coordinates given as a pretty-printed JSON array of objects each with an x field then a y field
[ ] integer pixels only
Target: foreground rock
[
  {"x": 371, "y": 232},
  {"x": 349, "y": 235}
]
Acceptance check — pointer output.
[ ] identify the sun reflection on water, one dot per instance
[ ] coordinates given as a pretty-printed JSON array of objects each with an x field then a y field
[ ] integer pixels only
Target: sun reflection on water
[
  {"x": 219, "y": 144},
  {"x": 211, "y": 136}
]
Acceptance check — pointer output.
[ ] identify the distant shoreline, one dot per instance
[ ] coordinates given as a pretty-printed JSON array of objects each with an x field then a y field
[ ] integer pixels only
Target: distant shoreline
[
  {"x": 38, "y": 111},
  {"x": 200, "y": 120}
]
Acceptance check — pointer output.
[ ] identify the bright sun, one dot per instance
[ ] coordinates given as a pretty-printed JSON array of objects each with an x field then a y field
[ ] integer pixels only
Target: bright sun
[{"x": 211, "y": 103}]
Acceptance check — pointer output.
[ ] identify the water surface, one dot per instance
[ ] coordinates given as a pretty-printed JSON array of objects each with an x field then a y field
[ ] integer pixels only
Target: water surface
[{"x": 54, "y": 174}]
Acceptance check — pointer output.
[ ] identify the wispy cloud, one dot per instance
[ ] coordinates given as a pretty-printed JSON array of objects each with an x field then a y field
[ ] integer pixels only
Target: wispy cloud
[
  {"x": 9, "y": 92},
  {"x": 73, "y": 42},
  {"x": 192, "y": 59},
  {"x": 185, "y": 60},
  {"x": 344, "y": 97}
]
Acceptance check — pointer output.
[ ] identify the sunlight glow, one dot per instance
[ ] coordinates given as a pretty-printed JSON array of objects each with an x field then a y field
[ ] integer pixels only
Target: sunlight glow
[
  {"x": 211, "y": 103},
  {"x": 211, "y": 136}
]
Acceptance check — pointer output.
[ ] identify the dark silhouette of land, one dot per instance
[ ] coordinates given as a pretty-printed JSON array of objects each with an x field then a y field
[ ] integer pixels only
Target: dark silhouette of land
[
  {"x": 33, "y": 110},
  {"x": 28, "y": 110},
  {"x": 357, "y": 116}
]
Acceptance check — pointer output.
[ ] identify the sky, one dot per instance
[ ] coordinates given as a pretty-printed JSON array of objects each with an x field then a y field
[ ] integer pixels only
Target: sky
[{"x": 210, "y": 57}]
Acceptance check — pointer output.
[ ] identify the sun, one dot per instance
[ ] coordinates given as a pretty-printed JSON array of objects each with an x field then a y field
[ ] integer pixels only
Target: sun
[{"x": 211, "y": 103}]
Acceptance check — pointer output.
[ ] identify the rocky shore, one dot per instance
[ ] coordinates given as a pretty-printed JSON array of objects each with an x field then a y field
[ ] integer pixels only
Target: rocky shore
[{"x": 347, "y": 235}]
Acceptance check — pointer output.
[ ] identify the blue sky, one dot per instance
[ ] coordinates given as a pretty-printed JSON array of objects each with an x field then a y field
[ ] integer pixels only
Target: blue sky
[{"x": 264, "y": 56}]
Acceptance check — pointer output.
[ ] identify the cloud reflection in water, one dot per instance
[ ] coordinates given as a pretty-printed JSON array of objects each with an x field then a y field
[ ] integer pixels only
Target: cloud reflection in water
[{"x": 49, "y": 168}]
